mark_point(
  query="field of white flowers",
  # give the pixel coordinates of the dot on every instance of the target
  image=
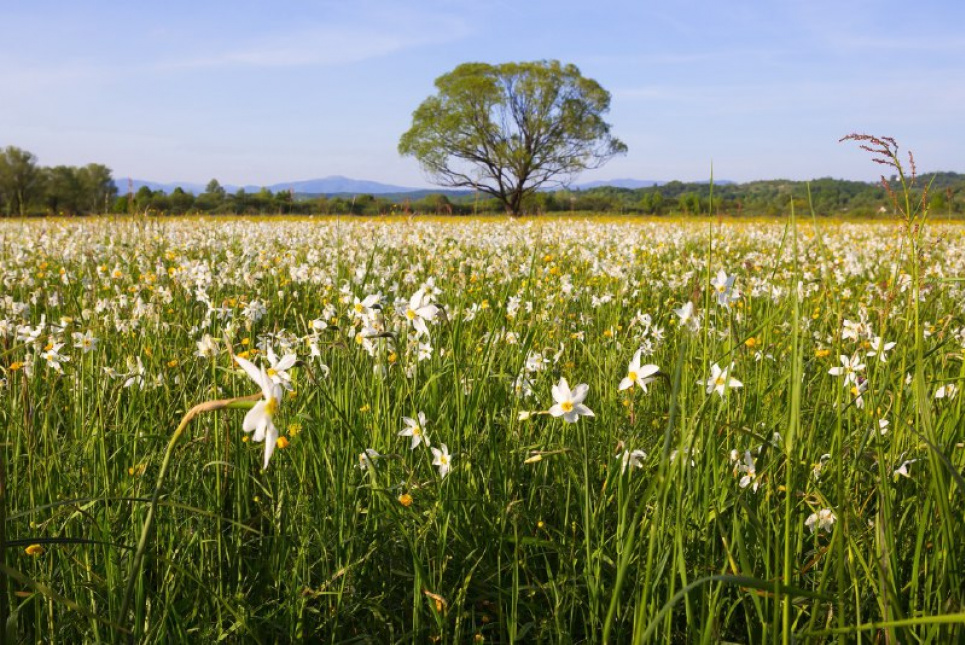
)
(481, 430)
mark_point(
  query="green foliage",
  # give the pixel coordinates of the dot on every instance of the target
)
(538, 533)
(21, 180)
(509, 129)
(26, 187)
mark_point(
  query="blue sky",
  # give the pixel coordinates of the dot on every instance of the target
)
(264, 92)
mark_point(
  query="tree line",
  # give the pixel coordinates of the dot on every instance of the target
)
(29, 189)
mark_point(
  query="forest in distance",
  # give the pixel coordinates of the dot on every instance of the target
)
(28, 189)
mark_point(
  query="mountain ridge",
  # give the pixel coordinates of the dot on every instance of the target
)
(341, 185)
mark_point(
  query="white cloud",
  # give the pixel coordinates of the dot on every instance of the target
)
(328, 45)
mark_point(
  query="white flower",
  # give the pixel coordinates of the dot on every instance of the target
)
(723, 285)
(259, 418)
(254, 311)
(54, 358)
(720, 380)
(416, 430)
(366, 306)
(367, 458)
(823, 520)
(419, 311)
(85, 342)
(569, 404)
(441, 459)
(632, 459)
(818, 468)
(849, 369)
(685, 313)
(749, 468)
(880, 350)
(207, 347)
(278, 372)
(637, 374)
(903, 468)
(946, 391)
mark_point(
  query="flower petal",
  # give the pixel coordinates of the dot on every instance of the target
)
(580, 392)
(271, 438)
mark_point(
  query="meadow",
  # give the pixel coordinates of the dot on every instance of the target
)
(545, 430)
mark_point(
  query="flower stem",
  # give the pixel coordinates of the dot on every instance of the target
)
(138, 560)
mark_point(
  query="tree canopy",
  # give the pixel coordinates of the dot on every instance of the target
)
(507, 130)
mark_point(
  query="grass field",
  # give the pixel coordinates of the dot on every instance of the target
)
(768, 446)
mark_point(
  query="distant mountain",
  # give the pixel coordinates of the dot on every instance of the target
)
(339, 184)
(335, 184)
(620, 183)
(127, 183)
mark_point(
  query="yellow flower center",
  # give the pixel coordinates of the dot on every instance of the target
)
(272, 371)
(410, 314)
(719, 381)
(566, 406)
(271, 406)
(632, 376)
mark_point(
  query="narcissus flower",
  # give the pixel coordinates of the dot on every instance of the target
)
(631, 459)
(638, 374)
(720, 380)
(260, 418)
(441, 459)
(367, 458)
(415, 429)
(849, 368)
(569, 404)
(822, 520)
(278, 372)
(420, 310)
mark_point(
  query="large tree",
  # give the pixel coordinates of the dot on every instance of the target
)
(509, 129)
(21, 180)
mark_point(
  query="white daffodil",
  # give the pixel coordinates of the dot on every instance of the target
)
(818, 468)
(638, 375)
(86, 342)
(54, 358)
(880, 349)
(416, 430)
(822, 520)
(946, 391)
(207, 347)
(569, 404)
(420, 310)
(278, 372)
(849, 368)
(366, 306)
(724, 287)
(367, 458)
(685, 314)
(260, 418)
(631, 459)
(441, 459)
(720, 380)
(903, 468)
(749, 468)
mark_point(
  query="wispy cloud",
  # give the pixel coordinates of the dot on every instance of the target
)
(913, 97)
(326, 45)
